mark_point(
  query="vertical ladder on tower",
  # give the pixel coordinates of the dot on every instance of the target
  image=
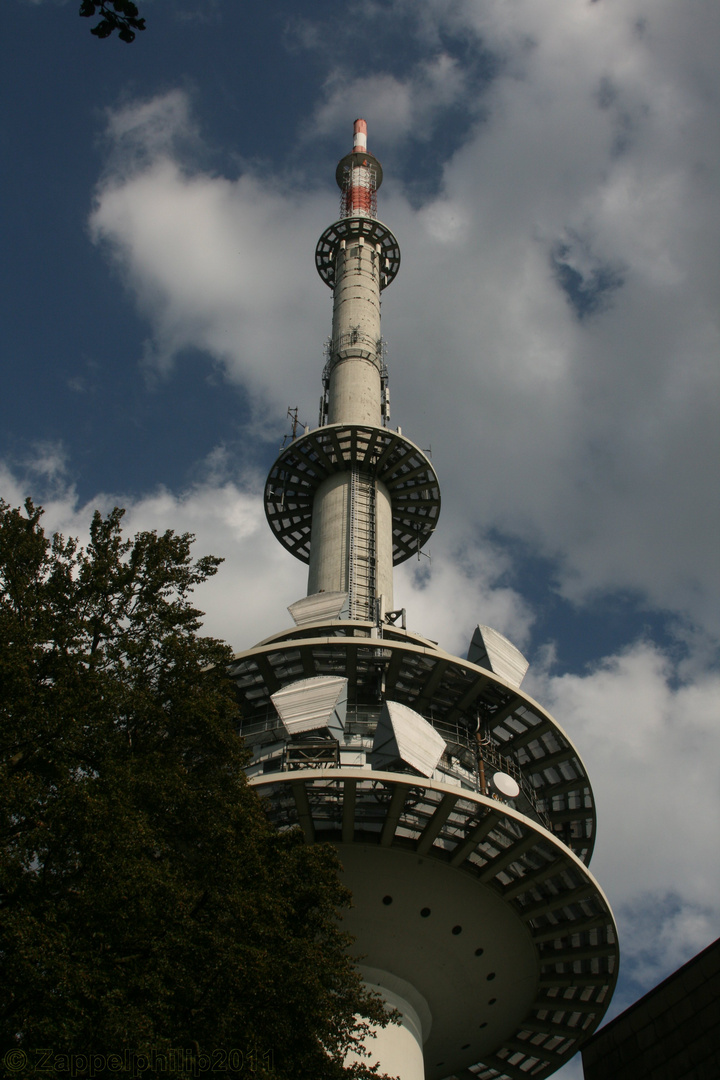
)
(361, 569)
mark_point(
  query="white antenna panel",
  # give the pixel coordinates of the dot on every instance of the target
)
(310, 704)
(491, 650)
(319, 607)
(404, 735)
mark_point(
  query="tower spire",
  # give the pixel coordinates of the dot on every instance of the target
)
(360, 137)
(354, 498)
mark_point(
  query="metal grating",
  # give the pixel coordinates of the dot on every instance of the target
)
(455, 692)
(385, 455)
(347, 229)
(577, 953)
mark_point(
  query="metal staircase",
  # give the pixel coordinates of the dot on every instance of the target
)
(361, 571)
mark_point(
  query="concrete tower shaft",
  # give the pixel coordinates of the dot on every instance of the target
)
(355, 369)
(352, 543)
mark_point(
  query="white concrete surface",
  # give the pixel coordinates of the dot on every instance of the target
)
(354, 393)
(398, 1047)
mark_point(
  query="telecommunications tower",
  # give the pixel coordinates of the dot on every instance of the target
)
(462, 811)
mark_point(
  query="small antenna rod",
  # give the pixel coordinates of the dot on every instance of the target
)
(293, 414)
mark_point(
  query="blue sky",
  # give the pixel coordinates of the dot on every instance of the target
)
(551, 173)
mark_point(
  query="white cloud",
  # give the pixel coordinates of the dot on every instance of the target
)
(595, 438)
(246, 600)
(141, 131)
(395, 108)
(650, 742)
(208, 259)
(453, 586)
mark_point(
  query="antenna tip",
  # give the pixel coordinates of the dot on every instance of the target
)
(360, 136)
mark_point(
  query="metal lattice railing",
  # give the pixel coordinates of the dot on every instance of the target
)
(465, 759)
(359, 190)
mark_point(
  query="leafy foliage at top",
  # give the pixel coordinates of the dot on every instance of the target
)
(120, 15)
(145, 903)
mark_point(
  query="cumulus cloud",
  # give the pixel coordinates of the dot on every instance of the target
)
(647, 728)
(400, 108)
(650, 740)
(246, 600)
(583, 188)
(140, 132)
(211, 260)
(453, 585)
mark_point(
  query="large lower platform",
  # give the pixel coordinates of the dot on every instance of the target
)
(497, 925)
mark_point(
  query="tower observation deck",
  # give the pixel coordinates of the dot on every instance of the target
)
(462, 811)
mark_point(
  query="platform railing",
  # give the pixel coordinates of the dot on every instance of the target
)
(468, 760)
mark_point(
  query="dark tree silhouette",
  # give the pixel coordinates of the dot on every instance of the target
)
(146, 906)
(120, 15)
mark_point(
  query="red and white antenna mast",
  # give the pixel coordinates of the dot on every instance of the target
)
(359, 175)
